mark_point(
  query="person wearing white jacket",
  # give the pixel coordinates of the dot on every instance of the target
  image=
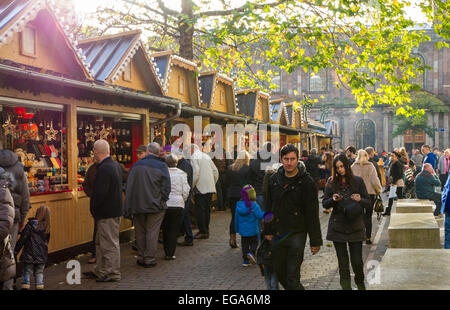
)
(204, 184)
(365, 169)
(174, 214)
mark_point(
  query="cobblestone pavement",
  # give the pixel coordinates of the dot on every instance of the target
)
(212, 265)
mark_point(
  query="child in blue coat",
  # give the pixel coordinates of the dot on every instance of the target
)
(248, 212)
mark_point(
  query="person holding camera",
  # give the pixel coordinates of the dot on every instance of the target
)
(347, 195)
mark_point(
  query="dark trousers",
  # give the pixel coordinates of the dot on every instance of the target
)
(443, 179)
(171, 227)
(287, 256)
(93, 239)
(186, 221)
(356, 260)
(399, 193)
(368, 217)
(221, 192)
(436, 198)
(249, 245)
(232, 202)
(203, 211)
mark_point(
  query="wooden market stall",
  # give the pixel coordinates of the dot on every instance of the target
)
(54, 105)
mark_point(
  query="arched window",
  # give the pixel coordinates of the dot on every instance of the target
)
(420, 76)
(365, 134)
(318, 82)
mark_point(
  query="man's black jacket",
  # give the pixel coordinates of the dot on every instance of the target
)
(295, 206)
(107, 197)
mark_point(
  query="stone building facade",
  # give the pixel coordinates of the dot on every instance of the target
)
(373, 128)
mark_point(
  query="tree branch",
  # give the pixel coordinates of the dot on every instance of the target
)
(239, 9)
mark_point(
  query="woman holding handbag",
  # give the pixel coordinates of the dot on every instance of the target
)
(396, 177)
(365, 169)
(348, 197)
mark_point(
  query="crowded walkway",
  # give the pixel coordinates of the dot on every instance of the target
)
(212, 264)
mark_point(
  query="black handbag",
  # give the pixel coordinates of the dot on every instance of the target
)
(350, 208)
(378, 207)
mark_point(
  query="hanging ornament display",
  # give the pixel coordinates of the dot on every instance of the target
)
(9, 127)
(51, 133)
(90, 136)
(104, 133)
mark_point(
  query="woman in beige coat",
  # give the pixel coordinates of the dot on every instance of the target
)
(365, 169)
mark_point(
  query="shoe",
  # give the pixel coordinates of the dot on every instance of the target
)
(150, 265)
(92, 260)
(106, 279)
(233, 242)
(386, 214)
(134, 248)
(90, 275)
(170, 257)
(201, 236)
(251, 258)
(368, 241)
(246, 263)
(40, 287)
(25, 286)
(184, 243)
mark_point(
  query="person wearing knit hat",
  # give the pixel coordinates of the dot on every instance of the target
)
(248, 212)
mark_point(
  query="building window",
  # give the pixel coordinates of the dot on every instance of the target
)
(28, 41)
(318, 82)
(420, 76)
(180, 85)
(127, 73)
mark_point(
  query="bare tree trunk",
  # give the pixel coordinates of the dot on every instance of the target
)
(186, 29)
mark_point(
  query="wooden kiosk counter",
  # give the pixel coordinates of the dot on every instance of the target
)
(57, 96)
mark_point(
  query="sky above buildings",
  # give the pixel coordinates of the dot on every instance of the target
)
(88, 6)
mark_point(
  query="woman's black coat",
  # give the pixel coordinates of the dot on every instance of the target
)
(340, 229)
(236, 180)
(397, 170)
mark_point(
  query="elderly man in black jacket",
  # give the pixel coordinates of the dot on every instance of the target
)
(148, 189)
(292, 213)
(106, 208)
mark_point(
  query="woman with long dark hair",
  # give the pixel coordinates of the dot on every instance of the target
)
(396, 173)
(347, 195)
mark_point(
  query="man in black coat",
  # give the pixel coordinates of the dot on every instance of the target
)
(106, 208)
(312, 165)
(292, 213)
(186, 166)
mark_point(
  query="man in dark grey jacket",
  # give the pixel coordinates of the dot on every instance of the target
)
(147, 191)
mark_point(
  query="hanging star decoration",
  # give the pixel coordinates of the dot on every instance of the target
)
(9, 127)
(90, 135)
(51, 133)
(104, 133)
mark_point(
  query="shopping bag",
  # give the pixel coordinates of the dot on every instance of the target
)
(393, 191)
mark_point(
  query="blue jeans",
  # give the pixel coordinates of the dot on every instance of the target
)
(260, 202)
(187, 221)
(271, 278)
(447, 231)
(37, 270)
(287, 255)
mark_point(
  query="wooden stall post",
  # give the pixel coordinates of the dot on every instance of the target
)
(72, 148)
